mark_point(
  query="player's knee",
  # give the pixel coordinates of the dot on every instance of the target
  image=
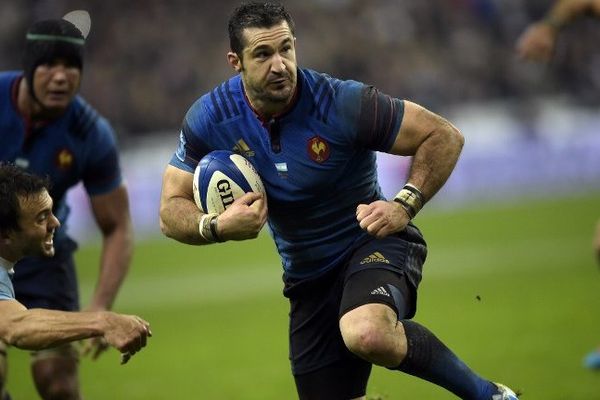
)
(369, 340)
(59, 389)
(56, 377)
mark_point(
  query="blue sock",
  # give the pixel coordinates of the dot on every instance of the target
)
(428, 358)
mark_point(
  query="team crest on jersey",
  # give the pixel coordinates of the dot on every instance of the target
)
(64, 159)
(318, 149)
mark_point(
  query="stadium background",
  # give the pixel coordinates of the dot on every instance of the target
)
(510, 283)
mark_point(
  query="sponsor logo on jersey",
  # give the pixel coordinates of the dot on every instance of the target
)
(241, 147)
(376, 257)
(64, 159)
(318, 149)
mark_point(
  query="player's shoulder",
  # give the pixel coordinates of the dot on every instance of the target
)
(7, 78)
(326, 92)
(9, 75)
(224, 102)
(83, 118)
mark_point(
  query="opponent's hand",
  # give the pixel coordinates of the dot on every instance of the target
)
(244, 218)
(127, 333)
(537, 43)
(382, 218)
(94, 347)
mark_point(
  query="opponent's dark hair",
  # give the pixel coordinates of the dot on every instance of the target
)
(255, 15)
(16, 183)
(49, 40)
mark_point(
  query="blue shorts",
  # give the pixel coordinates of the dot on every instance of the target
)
(390, 265)
(48, 282)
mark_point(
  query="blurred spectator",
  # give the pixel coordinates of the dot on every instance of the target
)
(440, 52)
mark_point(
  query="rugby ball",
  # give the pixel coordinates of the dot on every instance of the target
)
(222, 177)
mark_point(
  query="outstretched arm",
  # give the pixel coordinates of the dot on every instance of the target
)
(39, 328)
(539, 39)
(435, 145)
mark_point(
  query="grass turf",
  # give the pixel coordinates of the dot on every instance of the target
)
(512, 289)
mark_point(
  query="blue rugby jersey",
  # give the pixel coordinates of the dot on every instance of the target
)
(77, 147)
(317, 160)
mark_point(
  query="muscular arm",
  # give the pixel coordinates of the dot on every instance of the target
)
(38, 328)
(111, 212)
(179, 215)
(435, 145)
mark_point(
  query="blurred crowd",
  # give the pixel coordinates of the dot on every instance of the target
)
(148, 60)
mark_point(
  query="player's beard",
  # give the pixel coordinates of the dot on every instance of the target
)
(274, 91)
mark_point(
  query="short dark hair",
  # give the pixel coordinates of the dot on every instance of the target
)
(16, 183)
(255, 15)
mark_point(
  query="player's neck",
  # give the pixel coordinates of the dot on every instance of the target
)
(7, 260)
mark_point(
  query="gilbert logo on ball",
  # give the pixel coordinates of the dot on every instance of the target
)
(222, 177)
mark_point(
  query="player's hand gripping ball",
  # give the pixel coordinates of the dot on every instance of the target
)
(221, 177)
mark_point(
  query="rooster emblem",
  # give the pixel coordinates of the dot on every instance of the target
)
(318, 149)
(64, 159)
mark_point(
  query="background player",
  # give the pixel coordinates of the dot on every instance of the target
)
(537, 43)
(352, 260)
(49, 130)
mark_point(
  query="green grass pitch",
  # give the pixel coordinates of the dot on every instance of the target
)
(513, 289)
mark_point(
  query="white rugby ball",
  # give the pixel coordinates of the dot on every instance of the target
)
(222, 177)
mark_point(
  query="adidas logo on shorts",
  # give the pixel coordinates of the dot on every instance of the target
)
(375, 257)
(381, 291)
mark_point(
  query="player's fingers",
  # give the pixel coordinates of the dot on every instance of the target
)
(250, 197)
(125, 358)
(86, 348)
(362, 211)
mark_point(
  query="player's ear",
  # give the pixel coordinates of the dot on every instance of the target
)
(5, 237)
(234, 60)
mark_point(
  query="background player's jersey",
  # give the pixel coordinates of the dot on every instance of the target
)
(78, 146)
(317, 160)
(6, 288)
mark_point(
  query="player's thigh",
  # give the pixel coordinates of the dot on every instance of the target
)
(3, 364)
(56, 363)
(342, 380)
(385, 271)
(322, 366)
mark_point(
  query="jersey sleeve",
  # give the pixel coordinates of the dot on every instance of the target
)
(192, 147)
(6, 288)
(374, 118)
(102, 170)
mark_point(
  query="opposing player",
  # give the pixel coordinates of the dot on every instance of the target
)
(49, 130)
(27, 227)
(352, 259)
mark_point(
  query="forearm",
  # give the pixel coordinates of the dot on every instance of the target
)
(564, 11)
(38, 328)
(179, 220)
(116, 256)
(435, 159)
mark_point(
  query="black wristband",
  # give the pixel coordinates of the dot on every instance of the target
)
(213, 229)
